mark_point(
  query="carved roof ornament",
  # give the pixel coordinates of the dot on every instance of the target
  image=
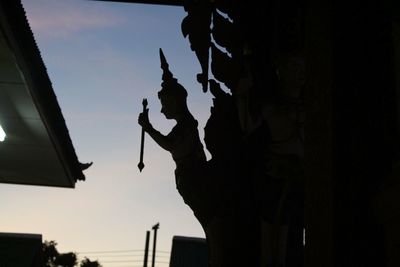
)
(224, 68)
(169, 83)
(196, 26)
(225, 34)
(167, 76)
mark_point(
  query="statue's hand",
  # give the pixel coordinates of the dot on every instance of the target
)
(143, 120)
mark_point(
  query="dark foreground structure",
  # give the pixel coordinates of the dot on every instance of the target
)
(188, 252)
(37, 149)
(306, 135)
(21, 250)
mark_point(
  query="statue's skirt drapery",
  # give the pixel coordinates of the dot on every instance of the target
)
(192, 184)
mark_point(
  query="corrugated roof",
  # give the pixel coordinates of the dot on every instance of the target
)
(19, 37)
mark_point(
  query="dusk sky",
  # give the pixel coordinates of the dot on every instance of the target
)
(102, 59)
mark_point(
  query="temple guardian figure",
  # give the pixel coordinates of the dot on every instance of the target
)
(183, 142)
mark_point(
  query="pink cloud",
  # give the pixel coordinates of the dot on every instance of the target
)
(61, 19)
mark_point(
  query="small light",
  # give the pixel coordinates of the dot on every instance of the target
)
(2, 134)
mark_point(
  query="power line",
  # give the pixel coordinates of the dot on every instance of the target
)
(121, 261)
(131, 265)
(123, 265)
(128, 261)
(111, 256)
(116, 256)
(127, 255)
(122, 255)
(163, 251)
(119, 251)
(128, 266)
(110, 251)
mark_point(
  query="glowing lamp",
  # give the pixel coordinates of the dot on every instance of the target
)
(2, 134)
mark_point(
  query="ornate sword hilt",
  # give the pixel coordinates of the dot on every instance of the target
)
(141, 164)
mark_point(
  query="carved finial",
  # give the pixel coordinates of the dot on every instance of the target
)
(170, 84)
(167, 76)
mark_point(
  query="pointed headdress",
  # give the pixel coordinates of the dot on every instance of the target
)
(169, 85)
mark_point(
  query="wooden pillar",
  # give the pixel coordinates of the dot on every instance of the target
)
(349, 130)
(318, 135)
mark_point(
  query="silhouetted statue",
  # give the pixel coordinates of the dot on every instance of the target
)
(250, 179)
(278, 166)
(183, 142)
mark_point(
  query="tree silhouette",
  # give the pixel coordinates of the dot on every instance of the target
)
(52, 258)
(50, 253)
(66, 260)
(88, 263)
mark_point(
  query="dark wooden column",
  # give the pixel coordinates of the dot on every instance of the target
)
(363, 126)
(318, 136)
(350, 130)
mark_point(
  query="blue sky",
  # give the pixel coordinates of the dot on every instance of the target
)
(102, 59)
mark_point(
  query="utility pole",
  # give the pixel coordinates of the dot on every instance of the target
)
(146, 249)
(155, 228)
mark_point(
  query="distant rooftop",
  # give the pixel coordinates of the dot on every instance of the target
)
(20, 249)
(189, 252)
